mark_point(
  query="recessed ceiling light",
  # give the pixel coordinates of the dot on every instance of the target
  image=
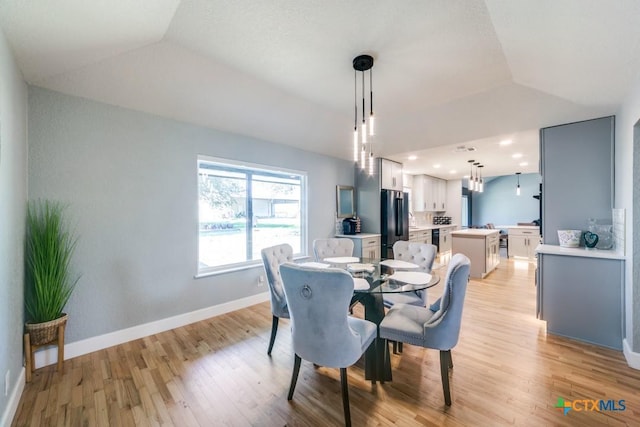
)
(505, 142)
(517, 155)
(524, 164)
(437, 166)
(413, 157)
(452, 171)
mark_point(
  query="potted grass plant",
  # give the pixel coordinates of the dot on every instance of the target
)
(49, 247)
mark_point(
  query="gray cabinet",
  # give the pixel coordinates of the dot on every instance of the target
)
(576, 162)
(581, 298)
(481, 246)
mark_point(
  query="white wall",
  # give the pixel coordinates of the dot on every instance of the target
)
(627, 193)
(130, 181)
(454, 201)
(13, 196)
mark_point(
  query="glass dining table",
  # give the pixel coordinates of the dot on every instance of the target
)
(372, 279)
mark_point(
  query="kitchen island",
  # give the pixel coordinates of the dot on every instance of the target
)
(481, 245)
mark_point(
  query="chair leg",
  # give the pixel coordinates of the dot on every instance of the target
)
(399, 346)
(395, 347)
(294, 376)
(274, 330)
(450, 360)
(445, 360)
(345, 396)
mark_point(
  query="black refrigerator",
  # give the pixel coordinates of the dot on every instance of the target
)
(394, 216)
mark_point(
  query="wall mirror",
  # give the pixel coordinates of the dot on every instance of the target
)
(345, 201)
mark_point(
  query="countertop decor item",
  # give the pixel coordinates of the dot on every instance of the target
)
(569, 238)
(590, 239)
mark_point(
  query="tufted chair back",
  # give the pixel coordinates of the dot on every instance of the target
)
(421, 254)
(437, 327)
(272, 258)
(321, 330)
(334, 247)
(443, 328)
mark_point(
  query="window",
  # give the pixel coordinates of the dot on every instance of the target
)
(244, 208)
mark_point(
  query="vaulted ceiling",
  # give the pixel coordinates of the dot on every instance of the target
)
(446, 73)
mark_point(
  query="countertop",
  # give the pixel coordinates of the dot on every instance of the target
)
(580, 252)
(475, 232)
(430, 227)
(518, 227)
(358, 236)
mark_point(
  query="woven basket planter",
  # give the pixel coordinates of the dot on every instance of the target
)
(46, 332)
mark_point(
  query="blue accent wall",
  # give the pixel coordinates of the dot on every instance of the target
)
(500, 205)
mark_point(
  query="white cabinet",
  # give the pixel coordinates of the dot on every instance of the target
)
(390, 175)
(523, 242)
(365, 245)
(370, 248)
(445, 240)
(429, 194)
(418, 202)
(420, 236)
(492, 251)
(440, 192)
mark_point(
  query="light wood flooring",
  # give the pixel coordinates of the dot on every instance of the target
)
(507, 371)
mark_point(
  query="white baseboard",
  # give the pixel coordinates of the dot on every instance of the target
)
(14, 400)
(633, 359)
(49, 355)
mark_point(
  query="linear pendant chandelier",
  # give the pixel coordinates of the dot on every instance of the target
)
(475, 183)
(361, 147)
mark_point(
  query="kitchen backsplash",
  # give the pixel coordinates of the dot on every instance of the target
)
(428, 218)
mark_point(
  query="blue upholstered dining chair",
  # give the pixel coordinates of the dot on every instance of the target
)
(321, 330)
(272, 257)
(437, 327)
(421, 254)
(333, 247)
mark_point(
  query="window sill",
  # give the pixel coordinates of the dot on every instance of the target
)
(243, 267)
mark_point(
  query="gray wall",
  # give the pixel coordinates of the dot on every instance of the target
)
(500, 205)
(130, 181)
(13, 196)
(627, 196)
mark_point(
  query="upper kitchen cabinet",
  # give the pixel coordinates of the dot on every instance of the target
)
(429, 194)
(390, 175)
(418, 201)
(439, 194)
(576, 162)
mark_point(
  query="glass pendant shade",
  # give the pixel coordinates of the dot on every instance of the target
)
(364, 132)
(355, 144)
(371, 163)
